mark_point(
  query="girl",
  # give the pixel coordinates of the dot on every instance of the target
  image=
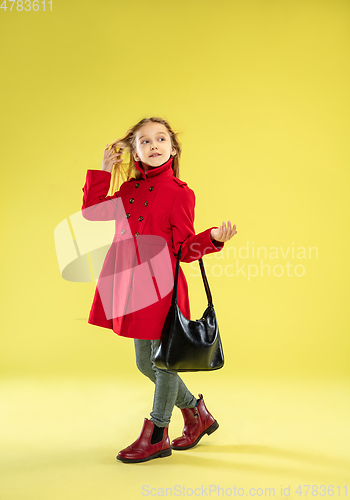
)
(154, 202)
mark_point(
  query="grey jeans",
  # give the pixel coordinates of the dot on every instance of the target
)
(169, 389)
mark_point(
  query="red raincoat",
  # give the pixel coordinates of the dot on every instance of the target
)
(160, 207)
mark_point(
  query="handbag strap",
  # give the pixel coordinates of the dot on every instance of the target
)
(204, 277)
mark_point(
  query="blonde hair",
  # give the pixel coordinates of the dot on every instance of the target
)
(123, 171)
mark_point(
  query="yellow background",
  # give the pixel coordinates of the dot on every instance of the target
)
(259, 93)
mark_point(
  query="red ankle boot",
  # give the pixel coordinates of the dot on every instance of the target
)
(142, 450)
(198, 421)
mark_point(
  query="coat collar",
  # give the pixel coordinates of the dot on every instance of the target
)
(156, 173)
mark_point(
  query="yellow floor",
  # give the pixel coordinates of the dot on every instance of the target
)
(59, 439)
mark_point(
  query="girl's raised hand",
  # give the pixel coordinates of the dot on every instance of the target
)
(223, 233)
(110, 157)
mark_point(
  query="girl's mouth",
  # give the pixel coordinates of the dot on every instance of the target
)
(156, 154)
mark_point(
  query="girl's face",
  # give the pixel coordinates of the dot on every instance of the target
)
(153, 145)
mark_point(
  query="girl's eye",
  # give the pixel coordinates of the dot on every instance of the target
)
(147, 140)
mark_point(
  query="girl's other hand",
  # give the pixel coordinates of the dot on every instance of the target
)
(110, 157)
(223, 233)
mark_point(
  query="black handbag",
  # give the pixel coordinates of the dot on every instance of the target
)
(190, 346)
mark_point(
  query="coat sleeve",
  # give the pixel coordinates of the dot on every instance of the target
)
(96, 203)
(181, 220)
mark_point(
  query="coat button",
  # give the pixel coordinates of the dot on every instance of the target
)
(140, 218)
(146, 203)
(136, 234)
(127, 215)
(122, 231)
(151, 188)
(137, 185)
(131, 200)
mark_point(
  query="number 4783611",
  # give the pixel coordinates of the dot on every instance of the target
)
(25, 5)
